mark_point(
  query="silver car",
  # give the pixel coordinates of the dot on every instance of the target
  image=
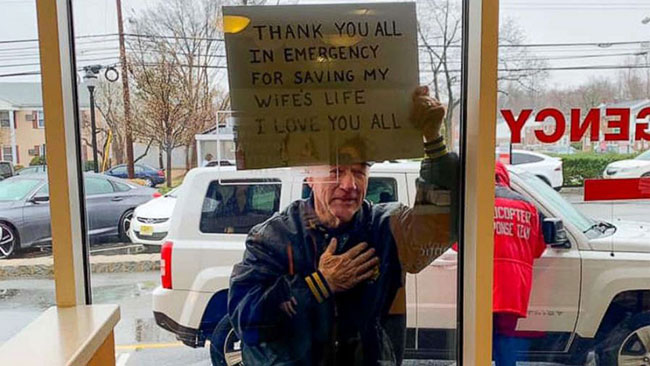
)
(25, 209)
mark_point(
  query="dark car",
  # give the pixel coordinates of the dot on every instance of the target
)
(150, 175)
(25, 209)
(6, 169)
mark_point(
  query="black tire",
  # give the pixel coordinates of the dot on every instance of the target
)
(224, 345)
(124, 224)
(628, 341)
(9, 243)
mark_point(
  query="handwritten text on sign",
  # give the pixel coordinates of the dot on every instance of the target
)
(321, 84)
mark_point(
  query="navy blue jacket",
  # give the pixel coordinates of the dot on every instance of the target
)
(281, 261)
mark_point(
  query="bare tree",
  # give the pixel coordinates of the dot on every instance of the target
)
(111, 108)
(439, 34)
(171, 67)
(439, 38)
(634, 83)
(102, 133)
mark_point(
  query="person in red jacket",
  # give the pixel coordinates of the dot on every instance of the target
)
(518, 241)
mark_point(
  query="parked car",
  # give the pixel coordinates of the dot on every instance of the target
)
(629, 168)
(6, 169)
(547, 168)
(556, 149)
(25, 209)
(221, 163)
(151, 176)
(150, 222)
(590, 290)
(32, 169)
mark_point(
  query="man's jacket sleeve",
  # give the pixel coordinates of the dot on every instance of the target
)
(424, 232)
(262, 282)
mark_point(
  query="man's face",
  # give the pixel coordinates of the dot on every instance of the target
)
(338, 192)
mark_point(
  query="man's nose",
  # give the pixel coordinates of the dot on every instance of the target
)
(346, 181)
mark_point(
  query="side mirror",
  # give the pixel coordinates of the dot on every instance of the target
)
(554, 233)
(40, 199)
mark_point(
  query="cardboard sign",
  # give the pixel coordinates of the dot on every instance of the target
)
(322, 84)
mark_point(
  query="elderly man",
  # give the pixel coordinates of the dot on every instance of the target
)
(318, 279)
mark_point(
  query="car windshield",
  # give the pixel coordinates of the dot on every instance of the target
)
(16, 189)
(644, 156)
(557, 202)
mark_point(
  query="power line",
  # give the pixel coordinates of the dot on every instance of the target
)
(77, 37)
(39, 64)
(157, 36)
(569, 68)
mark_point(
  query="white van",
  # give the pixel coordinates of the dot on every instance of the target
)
(591, 291)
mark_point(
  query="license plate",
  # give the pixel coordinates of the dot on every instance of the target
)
(146, 230)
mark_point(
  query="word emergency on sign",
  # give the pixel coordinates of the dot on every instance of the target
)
(311, 83)
(615, 123)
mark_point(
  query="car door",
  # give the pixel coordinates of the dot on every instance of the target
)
(36, 216)
(434, 299)
(139, 172)
(554, 301)
(553, 305)
(103, 216)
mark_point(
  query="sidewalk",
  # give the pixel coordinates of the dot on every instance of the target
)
(42, 267)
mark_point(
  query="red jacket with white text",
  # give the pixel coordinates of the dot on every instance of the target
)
(518, 241)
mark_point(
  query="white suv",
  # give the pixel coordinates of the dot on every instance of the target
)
(590, 291)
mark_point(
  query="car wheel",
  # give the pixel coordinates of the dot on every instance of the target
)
(628, 343)
(125, 224)
(149, 182)
(225, 346)
(8, 241)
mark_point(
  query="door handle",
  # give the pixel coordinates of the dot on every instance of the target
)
(116, 199)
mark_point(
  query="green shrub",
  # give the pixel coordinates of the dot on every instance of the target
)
(581, 166)
(37, 160)
(89, 166)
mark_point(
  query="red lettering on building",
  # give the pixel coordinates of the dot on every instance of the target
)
(516, 124)
(560, 125)
(616, 124)
(622, 123)
(641, 127)
(591, 123)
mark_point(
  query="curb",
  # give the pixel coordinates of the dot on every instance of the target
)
(44, 267)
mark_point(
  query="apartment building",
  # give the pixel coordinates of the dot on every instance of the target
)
(22, 122)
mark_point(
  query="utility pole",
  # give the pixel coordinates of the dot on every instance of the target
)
(125, 93)
(93, 128)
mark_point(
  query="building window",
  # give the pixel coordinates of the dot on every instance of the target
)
(35, 151)
(4, 119)
(7, 154)
(41, 119)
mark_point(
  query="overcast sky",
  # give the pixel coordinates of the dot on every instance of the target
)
(550, 21)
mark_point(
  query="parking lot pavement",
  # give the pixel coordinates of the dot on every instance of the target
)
(138, 340)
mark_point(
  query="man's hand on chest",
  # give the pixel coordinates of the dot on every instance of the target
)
(343, 272)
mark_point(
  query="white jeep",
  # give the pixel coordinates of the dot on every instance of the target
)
(591, 291)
